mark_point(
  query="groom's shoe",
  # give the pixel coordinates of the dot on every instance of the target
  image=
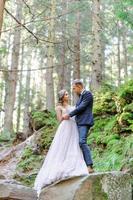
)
(90, 169)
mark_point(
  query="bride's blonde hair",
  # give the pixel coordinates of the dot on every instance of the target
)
(61, 94)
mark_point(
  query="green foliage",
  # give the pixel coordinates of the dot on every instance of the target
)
(104, 104)
(125, 93)
(27, 180)
(118, 153)
(111, 137)
(102, 129)
(3, 50)
(128, 108)
(123, 10)
(46, 138)
(43, 118)
(29, 161)
(126, 118)
(48, 121)
(5, 136)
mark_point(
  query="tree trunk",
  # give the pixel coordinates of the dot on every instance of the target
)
(20, 90)
(96, 78)
(103, 38)
(76, 55)
(12, 76)
(118, 54)
(76, 63)
(124, 44)
(61, 69)
(50, 103)
(2, 5)
(41, 93)
(26, 115)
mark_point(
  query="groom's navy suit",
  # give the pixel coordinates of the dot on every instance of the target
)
(84, 119)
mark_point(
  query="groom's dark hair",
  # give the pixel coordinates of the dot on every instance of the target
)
(78, 82)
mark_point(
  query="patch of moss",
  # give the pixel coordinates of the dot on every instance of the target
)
(46, 137)
(117, 152)
(100, 133)
(104, 104)
(43, 118)
(111, 138)
(125, 93)
(97, 190)
(29, 161)
(27, 180)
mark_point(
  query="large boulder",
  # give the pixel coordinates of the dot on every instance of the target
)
(98, 186)
(11, 190)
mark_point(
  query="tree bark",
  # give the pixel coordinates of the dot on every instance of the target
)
(76, 63)
(76, 54)
(2, 5)
(118, 54)
(124, 44)
(103, 38)
(20, 90)
(61, 70)
(12, 76)
(26, 115)
(50, 102)
(96, 77)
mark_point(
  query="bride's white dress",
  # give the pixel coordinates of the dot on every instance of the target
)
(64, 158)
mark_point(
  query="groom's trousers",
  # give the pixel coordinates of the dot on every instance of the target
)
(83, 132)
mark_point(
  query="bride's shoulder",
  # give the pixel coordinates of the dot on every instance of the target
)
(58, 108)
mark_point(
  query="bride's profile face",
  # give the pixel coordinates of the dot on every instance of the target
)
(66, 96)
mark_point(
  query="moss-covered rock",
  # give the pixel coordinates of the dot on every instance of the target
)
(29, 161)
(43, 118)
(104, 104)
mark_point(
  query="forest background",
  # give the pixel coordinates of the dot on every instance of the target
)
(44, 46)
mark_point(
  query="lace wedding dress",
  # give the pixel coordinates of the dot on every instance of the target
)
(64, 159)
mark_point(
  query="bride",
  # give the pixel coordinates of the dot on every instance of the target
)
(64, 159)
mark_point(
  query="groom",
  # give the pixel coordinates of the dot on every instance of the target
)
(84, 119)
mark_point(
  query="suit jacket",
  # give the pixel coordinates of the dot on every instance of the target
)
(83, 111)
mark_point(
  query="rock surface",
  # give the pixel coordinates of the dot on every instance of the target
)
(98, 186)
(11, 190)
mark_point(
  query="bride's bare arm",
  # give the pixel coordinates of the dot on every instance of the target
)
(59, 113)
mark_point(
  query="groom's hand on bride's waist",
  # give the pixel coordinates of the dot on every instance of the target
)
(65, 117)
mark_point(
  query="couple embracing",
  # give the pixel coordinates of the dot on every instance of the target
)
(69, 155)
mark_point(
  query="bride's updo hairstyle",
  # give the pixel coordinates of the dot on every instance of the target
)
(61, 94)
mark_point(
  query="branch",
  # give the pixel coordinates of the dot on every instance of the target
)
(36, 37)
(28, 8)
(70, 48)
(32, 21)
(45, 19)
(22, 24)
